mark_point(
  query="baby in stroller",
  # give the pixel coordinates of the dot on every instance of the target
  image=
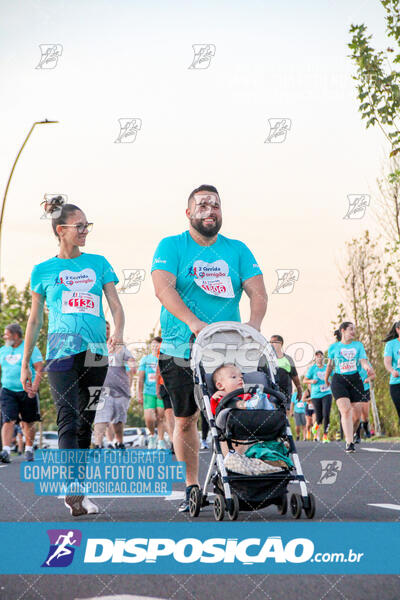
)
(229, 378)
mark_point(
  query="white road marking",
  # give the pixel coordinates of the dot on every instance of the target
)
(390, 506)
(380, 450)
(121, 597)
(120, 496)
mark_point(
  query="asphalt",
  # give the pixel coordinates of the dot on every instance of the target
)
(366, 488)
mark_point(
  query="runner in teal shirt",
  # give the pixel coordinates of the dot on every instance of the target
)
(72, 285)
(199, 277)
(321, 396)
(209, 280)
(346, 356)
(392, 363)
(73, 291)
(392, 350)
(10, 363)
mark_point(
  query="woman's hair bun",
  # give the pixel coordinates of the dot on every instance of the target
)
(53, 204)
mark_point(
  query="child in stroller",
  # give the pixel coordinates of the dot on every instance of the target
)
(228, 378)
(222, 394)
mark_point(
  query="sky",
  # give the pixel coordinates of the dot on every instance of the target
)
(130, 60)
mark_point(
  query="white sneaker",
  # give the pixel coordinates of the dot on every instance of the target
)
(152, 442)
(90, 507)
(161, 445)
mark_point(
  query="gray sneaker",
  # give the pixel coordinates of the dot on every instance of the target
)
(5, 457)
(29, 455)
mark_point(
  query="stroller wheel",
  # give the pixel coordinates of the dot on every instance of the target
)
(195, 501)
(219, 507)
(296, 505)
(310, 511)
(234, 512)
(282, 507)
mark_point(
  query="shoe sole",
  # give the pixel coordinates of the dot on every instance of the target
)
(74, 503)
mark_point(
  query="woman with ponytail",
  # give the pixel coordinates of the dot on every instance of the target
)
(345, 357)
(72, 284)
(391, 361)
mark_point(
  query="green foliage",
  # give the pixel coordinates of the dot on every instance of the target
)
(15, 308)
(378, 81)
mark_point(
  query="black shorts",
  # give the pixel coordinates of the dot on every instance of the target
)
(178, 380)
(15, 405)
(165, 397)
(309, 412)
(348, 386)
(367, 396)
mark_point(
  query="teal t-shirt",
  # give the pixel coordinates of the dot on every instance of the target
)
(318, 390)
(392, 349)
(364, 375)
(299, 405)
(346, 357)
(73, 288)
(209, 279)
(148, 364)
(10, 363)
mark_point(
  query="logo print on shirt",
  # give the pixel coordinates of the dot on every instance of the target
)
(348, 353)
(12, 359)
(77, 281)
(213, 278)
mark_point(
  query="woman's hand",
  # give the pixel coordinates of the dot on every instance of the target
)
(370, 372)
(114, 342)
(26, 380)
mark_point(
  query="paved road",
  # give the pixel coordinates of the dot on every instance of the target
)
(365, 480)
(366, 489)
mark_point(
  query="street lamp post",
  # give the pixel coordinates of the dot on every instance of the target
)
(11, 174)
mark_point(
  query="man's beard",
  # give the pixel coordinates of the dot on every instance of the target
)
(206, 230)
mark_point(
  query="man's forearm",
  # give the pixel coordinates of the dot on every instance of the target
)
(258, 308)
(174, 304)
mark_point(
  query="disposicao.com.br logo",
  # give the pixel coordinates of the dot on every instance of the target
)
(247, 551)
(62, 547)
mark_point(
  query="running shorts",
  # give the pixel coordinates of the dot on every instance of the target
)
(18, 404)
(348, 386)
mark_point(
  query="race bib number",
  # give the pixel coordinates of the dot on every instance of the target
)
(323, 387)
(300, 404)
(81, 302)
(213, 278)
(348, 366)
(151, 377)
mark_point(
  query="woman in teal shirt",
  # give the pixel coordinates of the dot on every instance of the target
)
(391, 361)
(72, 284)
(345, 356)
(321, 396)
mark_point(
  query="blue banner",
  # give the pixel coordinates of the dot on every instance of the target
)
(91, 472)
(153, 548)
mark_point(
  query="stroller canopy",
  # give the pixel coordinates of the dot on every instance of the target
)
(232, 342)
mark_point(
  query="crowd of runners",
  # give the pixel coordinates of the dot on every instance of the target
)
(199, 277)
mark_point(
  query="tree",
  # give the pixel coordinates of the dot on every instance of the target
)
(15, 309)
(378, 82)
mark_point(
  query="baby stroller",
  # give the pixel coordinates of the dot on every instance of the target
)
(233, 342)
